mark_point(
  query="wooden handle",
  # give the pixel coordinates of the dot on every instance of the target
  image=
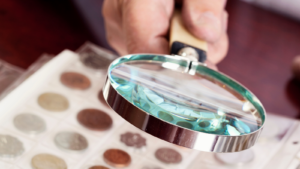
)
(180, 37)
(179, 33)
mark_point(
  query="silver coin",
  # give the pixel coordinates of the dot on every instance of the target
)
(71, 141)
(48, 161)
(237, 158)
(10, 147)
(29, 123)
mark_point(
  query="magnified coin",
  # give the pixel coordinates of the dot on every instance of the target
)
(71, 141)
(10, 146)
(117, 158)
(48, 161)
(94, 119)
(98, 167)
(75, 80)
(53, 102)
(168, 156)
(29, 123)
(237, 158)
(101, 98)
(94, 61)
(133, 140)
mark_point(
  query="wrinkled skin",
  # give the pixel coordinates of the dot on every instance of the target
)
(141, 26)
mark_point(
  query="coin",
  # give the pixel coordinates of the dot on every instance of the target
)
(10, 146)
(117, 158)
(133, 140)
(29, 123)
(70, 141)
(237, 158)
(94, 60)
(151, 168)
(75, 80)
(53, 102)
(168, 155)
(98, 167)
(101, 98)
(94, 119)
(48, 161)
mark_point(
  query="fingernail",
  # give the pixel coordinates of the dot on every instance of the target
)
(210, 26)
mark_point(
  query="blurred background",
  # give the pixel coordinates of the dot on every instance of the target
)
(264, 39)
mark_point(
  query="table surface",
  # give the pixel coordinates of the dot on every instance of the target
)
(262, 44)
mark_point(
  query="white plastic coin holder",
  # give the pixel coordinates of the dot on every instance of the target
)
(49, 141)
(274, 133)
(126, 127)
(149, 164)
(6, 165)
(83, 104)
(97, 156)
(89, 47)
(94, 72)
(97, 82)
(186, 154)
(27, 146)
(91, 164)
(25, 162)
(264, 150)
(33, 102)
(8, 122)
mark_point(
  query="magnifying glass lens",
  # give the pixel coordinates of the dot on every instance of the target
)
(188, 98)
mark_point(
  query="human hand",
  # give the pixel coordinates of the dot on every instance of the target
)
(141, 26)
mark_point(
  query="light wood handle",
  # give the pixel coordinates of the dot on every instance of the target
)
(180, 38)
(179, 33)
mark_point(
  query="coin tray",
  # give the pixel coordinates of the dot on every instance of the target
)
(93, 142)
(96, 83)
(27, 145)
(73, 102)
(72, 119)
(24, 100)
(8, 124)
(150, 140)
(25, 162)
(97, 157)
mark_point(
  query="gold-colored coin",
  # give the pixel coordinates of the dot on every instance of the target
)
(53, 102)
(48, 161)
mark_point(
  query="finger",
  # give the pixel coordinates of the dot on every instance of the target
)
(146, 25)
(218, 50)
(113, 27)
(211, 65)
(204, 18)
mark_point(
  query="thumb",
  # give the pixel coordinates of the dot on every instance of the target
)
(204, 18)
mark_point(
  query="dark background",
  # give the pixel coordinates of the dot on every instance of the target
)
(262, 43)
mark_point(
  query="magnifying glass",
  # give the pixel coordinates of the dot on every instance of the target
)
(178, 99)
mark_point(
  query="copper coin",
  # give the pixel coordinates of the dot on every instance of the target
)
(133, 140)
(117, 158)
(75, 80)
(94, 119)
(101, 98)
(53, 102)
(98, 167)
(168, 156)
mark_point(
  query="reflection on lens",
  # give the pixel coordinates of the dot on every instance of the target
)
(165, 116)
(185, 124)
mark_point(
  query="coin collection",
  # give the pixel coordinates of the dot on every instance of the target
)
(64, 122)
(58, 119)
